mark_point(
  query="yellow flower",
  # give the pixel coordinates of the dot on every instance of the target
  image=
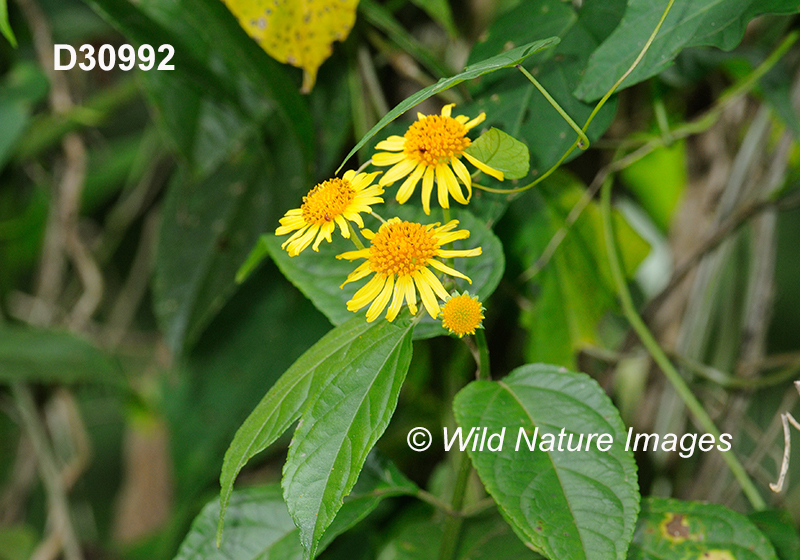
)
(329, 203)
(462, 314)
(429, 149)
(399, 255)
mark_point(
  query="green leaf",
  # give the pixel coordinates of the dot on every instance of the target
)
(575, 289)
(500, 151)
(5, 27)
(690, 23)
(228, 371)
(45, 356)
(22, 88)
(486, 537)
(258, 254)
(577, 505)
(17, 542)
(658, 181)
(513, 103)
(345, 414)
(259, 525)
(779, 528)
(284, 402)
(675, 529)
(502, 60)
(319, 275)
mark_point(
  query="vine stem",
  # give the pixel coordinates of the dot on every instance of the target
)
(583, 142)
(594, 112)
(702, 418)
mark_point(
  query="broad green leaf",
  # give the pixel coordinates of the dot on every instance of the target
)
(670, 529)
(574, 290)
(5, 27)
(345, 414)
(690, 23)
(487, 537)
(502, 60)
(228, 371)
(259, 525)
(320, 275)
(779, 528)
(284, 402)
(658, 181)
(580, 505)
(516, 106)
(47, 356)
(502, 152)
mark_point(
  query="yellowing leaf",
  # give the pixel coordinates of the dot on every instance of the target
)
(298, 32)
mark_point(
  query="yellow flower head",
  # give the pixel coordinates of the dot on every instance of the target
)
(462, 314)
(399, 255)
(429, 149)
(329, 203)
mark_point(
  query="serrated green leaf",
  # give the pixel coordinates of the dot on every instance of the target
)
(580, 505)
(502, 152)
(319, 274)
(675, 529)
(502, 60)
(46, 356)
(487, 537)
(5, 27)
(690, 23)
(778, 527)
(284, 402)
(259, 525)
(344, 416)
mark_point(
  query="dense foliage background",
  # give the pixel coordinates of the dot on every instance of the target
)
(129, 354)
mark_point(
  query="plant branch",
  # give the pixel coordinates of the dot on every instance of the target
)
(702, 418)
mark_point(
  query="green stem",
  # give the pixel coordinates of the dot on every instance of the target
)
(484, 371)
(594, 112)
(583, 141)
(354, 237)
(446, 215)
(702, 418)
(452, 527)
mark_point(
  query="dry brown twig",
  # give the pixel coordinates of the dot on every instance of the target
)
(786, 419)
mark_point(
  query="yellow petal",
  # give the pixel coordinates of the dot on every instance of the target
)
(366, 293)
(380, 302)
(392, 144)
(363, 270)
(382, 159)
(407, 188)
(447, 270)
(343, 227)
(296, 247)
(397, 301)
(441, 188)
(324, 232)
(434, 283)
(353, 255)
(407, 284)
(452, 185)
(463, 174)
(447, 109)
(452, 254)
(427, 188)
(476, 121)
(426, 294)
(483, 167)
(398, 172)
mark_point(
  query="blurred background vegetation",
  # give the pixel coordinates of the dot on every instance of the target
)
(128, 200)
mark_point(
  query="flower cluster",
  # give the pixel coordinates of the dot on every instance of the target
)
(402, 256)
